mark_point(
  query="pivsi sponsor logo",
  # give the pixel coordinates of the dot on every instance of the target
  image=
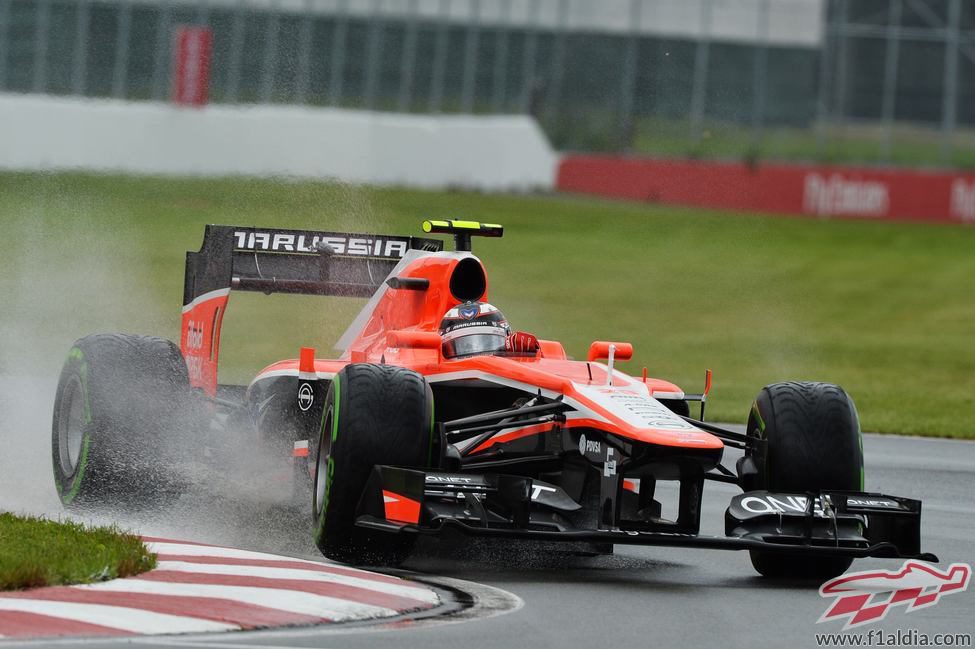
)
(587, 446)
(835, 194)
(342, 245)
(867, 596)
(963, 200)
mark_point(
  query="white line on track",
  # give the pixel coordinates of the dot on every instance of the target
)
(421, 594)
(488, 601)
(117, 617)
(950, 509)
(284, 600)
(191, 550)
(221, 645)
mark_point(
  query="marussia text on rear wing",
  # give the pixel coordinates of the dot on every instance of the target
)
(271, 260)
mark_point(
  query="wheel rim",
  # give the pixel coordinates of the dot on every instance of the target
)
(71, 427)
(321, 466)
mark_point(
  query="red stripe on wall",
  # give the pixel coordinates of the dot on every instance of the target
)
(813, 190)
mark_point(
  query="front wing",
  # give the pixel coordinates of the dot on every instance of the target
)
(407, 501)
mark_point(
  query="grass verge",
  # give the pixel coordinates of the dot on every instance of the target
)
(37, 552)
(885, 309)
(852, 144)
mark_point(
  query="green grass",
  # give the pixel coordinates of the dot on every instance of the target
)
(854, 144)
(36, 552)
(884, 309)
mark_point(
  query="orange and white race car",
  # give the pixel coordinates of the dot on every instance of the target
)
(435, 416)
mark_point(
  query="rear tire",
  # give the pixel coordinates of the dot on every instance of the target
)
(120, 400)
(813, 443)
(374, 414)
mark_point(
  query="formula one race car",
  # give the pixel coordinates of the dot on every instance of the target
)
(430, 421)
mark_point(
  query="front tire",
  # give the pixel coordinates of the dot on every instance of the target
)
(374, 414)
(812, 442)
(119, 400)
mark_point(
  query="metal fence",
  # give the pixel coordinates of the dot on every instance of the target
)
(854, 80)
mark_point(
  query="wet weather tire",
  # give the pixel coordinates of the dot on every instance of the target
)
(812, 443)
(121, 400)
(374, 414)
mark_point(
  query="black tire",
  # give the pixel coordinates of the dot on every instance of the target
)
(374, 414)
(812, 442)
(121, 400)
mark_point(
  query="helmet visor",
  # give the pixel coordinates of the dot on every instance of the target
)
(474, 343)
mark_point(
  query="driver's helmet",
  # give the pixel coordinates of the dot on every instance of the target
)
(473, 328)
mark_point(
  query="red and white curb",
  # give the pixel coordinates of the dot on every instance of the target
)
(198, 588)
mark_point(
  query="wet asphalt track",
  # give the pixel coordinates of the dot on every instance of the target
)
(643, 597)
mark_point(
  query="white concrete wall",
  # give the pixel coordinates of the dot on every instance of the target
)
(797, 23)
(493, 152)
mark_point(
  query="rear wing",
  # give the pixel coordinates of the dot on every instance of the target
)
(276, 261)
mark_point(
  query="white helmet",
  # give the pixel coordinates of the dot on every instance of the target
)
(473, 328)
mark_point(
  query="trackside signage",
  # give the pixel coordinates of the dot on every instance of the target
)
(817, 191)
(963, 200)
(191, 65)
(836, 194)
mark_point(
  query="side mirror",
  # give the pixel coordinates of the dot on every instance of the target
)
(599, 351)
